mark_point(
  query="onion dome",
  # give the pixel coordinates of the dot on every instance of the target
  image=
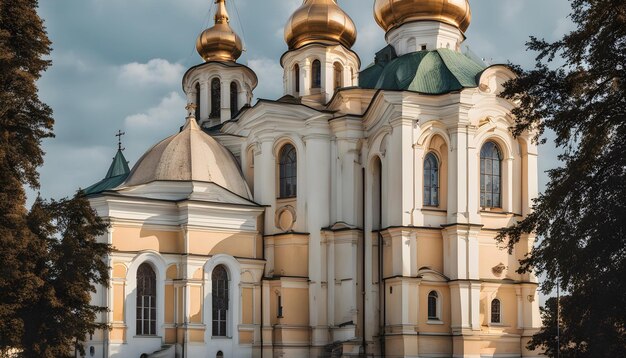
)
(190, 155)
(220, 42)
(390, 14)
(319, 21)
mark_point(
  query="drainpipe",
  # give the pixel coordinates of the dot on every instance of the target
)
(382, 288)
(363, 260)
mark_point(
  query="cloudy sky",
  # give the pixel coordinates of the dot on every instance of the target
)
(118, 64)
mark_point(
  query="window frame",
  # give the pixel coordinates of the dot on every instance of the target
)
(216, 98)
(316, 74)
(140, 301)
(285, 180)
(488, 176)
(492, 315)
(296, 74)
(436, 319)
(198, 89)
(234, 98)
(222, 318)
(428, 201)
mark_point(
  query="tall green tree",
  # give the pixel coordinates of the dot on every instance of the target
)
(24, 122)
(578, 90)
(49, 257)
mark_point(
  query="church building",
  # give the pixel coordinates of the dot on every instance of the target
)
(355, 216)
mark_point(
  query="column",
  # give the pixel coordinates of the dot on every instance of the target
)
(316, 196)
(265, 180)
(225, 106)
(305, 78)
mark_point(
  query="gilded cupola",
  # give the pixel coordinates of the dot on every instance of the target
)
(319, 21)
(220, 42)
(391, 14)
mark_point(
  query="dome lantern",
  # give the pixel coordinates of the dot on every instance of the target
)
(220, 42)
(319, 21)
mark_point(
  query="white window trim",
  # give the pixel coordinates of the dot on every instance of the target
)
(438, 320)
(490, 321)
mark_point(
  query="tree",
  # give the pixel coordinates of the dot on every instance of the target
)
(24, 122)
(73, 262)
(49, 257)
(578, 90)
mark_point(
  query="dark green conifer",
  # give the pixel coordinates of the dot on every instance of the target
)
(578, 91)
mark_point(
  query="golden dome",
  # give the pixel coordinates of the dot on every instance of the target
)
(393, 13)
(319, 21)
(220, 42)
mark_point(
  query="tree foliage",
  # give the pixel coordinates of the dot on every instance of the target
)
(578, 90)
(73, 261)
(49, 257)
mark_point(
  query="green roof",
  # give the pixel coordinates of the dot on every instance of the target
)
(431, 72)
(117, 173)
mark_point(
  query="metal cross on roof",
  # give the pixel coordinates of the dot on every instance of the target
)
(119, 139)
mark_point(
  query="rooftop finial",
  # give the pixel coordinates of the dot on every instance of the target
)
(119, 140)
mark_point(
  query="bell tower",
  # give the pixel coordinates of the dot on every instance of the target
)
(220, 87)
(319, 61)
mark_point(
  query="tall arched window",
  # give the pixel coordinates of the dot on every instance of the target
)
(219, 281)
(316, 74)
(296, 77)
(288, 171)
(433, 302)
(234, 96)
(146, 300)
(216, 98)
(338, 75)
(431, 180)
(490, 176)
(496, 316)
(197, 101)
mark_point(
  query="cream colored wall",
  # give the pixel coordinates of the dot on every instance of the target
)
(291, 255)
(213, 243)
(429, 249)
(140, 238)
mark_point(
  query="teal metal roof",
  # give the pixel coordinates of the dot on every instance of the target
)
(430, 72)
(117, 173)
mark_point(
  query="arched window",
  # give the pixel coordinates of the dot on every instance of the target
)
(146, 300)
(219, 354)
(288, 168)
(338, 75)
(433, 302)
(219, 281)
(296, 77)
(496, 316)
(490, 176)
(234, 102)
(431, 180)
(316, 74)
(197, 101)
(216, 98)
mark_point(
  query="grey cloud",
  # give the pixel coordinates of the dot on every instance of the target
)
(92, 39)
